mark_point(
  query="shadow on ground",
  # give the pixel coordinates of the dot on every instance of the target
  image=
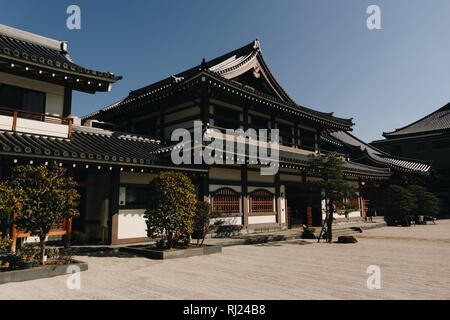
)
(279, 244)
(106, 253)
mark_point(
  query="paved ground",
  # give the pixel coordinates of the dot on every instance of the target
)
(414, 262)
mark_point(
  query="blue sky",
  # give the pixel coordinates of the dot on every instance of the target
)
(320, 50)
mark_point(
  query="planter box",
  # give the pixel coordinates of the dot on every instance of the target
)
(151, 253)
(39, 272)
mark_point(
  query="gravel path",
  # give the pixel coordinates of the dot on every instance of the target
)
(414, 262)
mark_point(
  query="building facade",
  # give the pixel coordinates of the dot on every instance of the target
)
(238, 91)
(116, 151)
(427, 139)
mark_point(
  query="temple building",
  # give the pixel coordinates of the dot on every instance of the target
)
(237, 90)
(116, 151)
(427, 139)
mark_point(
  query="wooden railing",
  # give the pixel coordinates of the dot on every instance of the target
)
(23, 114)
(61, 228)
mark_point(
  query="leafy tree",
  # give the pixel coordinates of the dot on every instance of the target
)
(171, 210)
(202, 221)
(426, 202)
(8, 200)
(398, 201)
(44, 197)
(330, 169)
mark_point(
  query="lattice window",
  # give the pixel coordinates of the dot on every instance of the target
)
(226, 201)
(261, 201)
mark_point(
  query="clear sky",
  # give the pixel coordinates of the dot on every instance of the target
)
(320, 51)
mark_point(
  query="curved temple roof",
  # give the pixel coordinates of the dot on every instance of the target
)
(41, 54)
(436, 121)
(224, 68)
(378, 156)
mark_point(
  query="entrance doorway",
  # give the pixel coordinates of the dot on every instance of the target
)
(303, 206)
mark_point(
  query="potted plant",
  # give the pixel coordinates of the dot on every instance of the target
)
(308, 233)
(26, 261)
(27, 256)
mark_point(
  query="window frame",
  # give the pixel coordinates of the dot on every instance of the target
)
(22, 94)
(237, 207)
(265, 209)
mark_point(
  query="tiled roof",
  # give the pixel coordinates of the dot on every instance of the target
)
(436, 121)
(220, 69)
(33, 50)
(381, 157)
(350, 167)
(85, 144)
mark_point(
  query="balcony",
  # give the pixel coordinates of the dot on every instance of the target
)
(35, 123)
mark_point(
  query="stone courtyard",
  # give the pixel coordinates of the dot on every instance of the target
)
(414, 264)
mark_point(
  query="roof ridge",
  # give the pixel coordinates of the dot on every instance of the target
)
(445, 107)
(124, 135)
(33, 38)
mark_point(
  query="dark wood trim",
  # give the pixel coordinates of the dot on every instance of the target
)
(67, 107)
(114, 206)
(255, 214)
(277, 197)
(245, 202)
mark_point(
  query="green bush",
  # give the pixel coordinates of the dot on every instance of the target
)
(5, 243)
(426, 202)
(398, 201)
(171, 210)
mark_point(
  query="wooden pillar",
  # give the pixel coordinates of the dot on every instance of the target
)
(278, 197)
(204, 188)
(67, 104)
(114, 206)
(245, 202)
(14, 238)
(68, 228)
(161, 123)
(309, 216)
(204, 105)
(296, 136)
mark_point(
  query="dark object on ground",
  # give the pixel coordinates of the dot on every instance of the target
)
(308, 234)
(357, 229)
(80, 238)
(404, 221)
(347, 239)
(429, 218)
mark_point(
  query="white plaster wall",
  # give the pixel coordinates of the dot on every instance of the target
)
(6, 123)
(228, 221)
(38, 127)
(262, 219)
(132, 224)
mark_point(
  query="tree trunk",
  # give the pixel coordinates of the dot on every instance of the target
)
(330, 222)
(169, 240)
(42, 243)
